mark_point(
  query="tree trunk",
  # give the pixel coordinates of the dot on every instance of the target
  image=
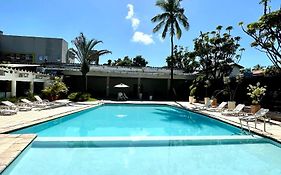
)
(172, 68)
(84, 82)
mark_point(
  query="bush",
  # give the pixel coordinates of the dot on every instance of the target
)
(79, 96)
(56, 89)
(72, 96)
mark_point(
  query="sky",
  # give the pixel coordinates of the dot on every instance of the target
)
(125, 26)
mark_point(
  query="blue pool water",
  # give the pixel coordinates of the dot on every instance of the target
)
(222, 159)
(132, 120)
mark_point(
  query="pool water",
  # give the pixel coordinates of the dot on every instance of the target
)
(132, 120)
(217, 159)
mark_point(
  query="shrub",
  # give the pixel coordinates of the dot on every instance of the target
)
(72, 96)
(56, 89)
(79, 96)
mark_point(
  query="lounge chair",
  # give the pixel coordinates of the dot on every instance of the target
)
(236, 111)
(125, 96)
(121, 96)
(37, 105)
(40, 100)
(219, 108)
(261, 114)
(19, 107)
(8, 110)
(201, 107)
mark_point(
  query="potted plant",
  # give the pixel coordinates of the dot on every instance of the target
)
(191, 98)
(207, 85)
(256, 93)
(234, 81)
(56, 89)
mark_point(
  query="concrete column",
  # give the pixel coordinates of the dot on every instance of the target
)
(139, 85)
(31, 89)
(14, 88)
(168, 85)
(107, 86)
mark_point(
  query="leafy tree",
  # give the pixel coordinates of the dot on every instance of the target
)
(139, 61)
(171, 18)
(125, 62)
(266, 33)
(183, 60)
(109, 63)
(272, 70)
(258, 67)
(217, 51)
(85, 53)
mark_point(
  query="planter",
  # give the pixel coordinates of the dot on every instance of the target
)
(231, 105)
(207, 100)
(255, 108)
(214, 102)
(191, 99)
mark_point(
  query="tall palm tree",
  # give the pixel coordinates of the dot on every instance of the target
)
(85, 53)
(170, 19)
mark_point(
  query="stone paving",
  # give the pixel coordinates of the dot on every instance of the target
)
(273, 129)
(11, 145)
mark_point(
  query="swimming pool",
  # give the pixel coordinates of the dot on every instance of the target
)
(132, 120)
(144, 139)
(243, 158)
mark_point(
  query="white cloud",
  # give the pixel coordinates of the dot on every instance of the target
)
(131, 16)
(135, 23)
(130, 11)
(143, 38)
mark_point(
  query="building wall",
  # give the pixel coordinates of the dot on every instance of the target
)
(39, 48)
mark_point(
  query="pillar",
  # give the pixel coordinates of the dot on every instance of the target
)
(14, 88)
(139, 85)
(168, 85)
(31, 89)
(107, 86)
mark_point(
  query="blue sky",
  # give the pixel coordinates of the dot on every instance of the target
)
(124, 26)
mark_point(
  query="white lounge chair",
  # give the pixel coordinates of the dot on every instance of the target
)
(19, 107)
(201, 107)
(236, 111)
(121, 96)
(37, 105)
(8, 110)
(218, 108)
(261, 114)
(40, 100)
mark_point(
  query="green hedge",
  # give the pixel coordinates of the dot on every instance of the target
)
(79, 96)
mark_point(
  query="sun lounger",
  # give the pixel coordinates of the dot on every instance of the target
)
(201, 107)
(261, 114)
(40, 100)
(8, 110)
(20, 107)
(238, 109)
(37, 105)
(121, 96)
(219, 108)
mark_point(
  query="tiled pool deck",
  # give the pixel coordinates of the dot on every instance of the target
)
(11, 145)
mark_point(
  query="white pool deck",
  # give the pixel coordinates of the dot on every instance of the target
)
(11, 145)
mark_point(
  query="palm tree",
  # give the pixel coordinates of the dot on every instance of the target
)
(170, 19)
(85, 53)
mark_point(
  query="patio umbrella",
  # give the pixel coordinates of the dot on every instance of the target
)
(121, 85)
